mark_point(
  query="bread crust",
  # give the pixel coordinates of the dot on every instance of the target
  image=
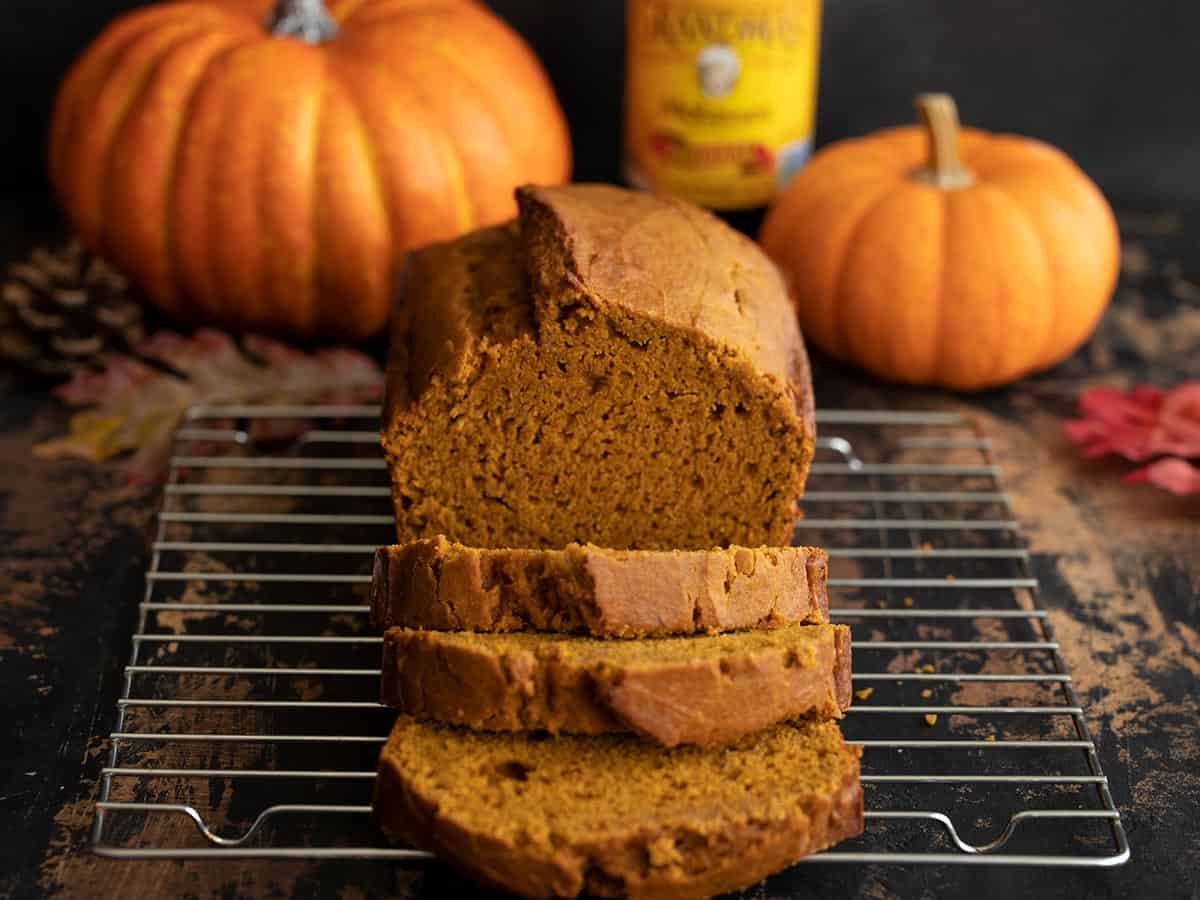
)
(438, 584)
(714, 694)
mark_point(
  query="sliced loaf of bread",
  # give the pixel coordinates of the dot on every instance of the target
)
(613, 368)
(703, 690)
(614, 816)
(436, 583)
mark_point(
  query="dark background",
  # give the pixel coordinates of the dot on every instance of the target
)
(1115, 83)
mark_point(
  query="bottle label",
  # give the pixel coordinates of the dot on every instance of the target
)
(720, 97)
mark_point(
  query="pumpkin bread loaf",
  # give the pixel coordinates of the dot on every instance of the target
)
(436, 583)
(612, 368)
(615, 816)
(678, 690)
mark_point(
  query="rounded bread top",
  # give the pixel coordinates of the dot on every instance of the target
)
(670, 260)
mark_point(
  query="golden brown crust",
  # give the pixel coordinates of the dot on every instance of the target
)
(439, 584)
(690, 690)
(842, 671)
(663, 259)
(711, 838)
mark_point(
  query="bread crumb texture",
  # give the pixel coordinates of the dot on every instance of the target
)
(613, 369)
(609, 815)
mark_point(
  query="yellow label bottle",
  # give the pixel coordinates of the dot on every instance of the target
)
(720, 97)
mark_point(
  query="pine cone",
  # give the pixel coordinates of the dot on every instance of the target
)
(60, 310)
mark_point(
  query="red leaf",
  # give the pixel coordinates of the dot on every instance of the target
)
(1137, 407)
(1180, 421)
(1175, 475)
(1139, 425)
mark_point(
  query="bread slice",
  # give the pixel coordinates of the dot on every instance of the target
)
(614, 816)
(614, 368)
(682, 690)
(439, 584)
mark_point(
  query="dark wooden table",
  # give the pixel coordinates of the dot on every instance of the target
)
(1119, 565)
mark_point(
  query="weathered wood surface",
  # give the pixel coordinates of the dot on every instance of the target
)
(1119, 564)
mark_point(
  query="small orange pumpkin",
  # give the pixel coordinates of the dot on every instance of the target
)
(927, 267)
(268, 172)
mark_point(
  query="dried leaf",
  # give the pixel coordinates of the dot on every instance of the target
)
(135, 407)
(1139, 425)
(1146, 423)
(1180, 420)
(1174, 474)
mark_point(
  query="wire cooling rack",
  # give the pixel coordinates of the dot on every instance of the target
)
(248, 724)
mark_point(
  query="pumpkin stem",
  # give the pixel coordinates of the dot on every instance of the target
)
(942, 168)
(308, 20)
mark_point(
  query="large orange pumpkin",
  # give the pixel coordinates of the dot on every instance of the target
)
(927, 267)
(268, 171)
